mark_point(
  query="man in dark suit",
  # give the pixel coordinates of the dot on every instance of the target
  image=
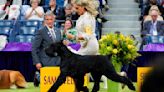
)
(43, 38)
(152, 28)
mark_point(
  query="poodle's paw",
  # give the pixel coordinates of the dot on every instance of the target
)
(85, 89)
(132, 87)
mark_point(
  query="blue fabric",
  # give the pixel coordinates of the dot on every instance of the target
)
(159, 2)
(100, 1)
(37, 76)
(46, 2)
(60, 3)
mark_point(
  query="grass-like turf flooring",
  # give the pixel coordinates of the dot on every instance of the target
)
(31, 88)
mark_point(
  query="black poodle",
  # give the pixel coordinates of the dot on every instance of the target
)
(76, 66)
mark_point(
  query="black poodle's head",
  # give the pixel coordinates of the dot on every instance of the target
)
(54, 49)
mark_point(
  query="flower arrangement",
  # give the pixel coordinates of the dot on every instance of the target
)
(121, 48)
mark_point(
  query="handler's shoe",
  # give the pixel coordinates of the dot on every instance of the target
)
(104, 79)
(106, 7)
(36, 79)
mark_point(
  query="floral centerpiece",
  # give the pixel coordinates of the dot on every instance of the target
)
(121, 48)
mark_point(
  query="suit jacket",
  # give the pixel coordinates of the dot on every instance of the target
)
(42, 40)
(147, 26)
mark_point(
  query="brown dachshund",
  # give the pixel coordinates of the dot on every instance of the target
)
(12, 79)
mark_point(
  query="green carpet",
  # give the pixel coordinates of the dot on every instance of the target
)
(31, 88)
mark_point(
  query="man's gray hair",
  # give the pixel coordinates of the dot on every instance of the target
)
(68, 6)
(49, 13)
(33, 0)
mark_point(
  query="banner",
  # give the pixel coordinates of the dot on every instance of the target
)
(49, 76)
(141, 72)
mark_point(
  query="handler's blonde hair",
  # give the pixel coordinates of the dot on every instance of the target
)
(90, 5)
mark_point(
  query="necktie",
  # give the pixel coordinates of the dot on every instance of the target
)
(53, 35)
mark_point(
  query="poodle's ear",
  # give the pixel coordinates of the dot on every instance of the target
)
(59, 43)
(61, 40)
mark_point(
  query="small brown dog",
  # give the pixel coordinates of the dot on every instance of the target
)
(12, 79)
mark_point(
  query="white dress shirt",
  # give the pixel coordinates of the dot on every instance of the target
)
(153, 29)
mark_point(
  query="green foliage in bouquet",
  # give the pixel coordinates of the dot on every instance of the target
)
(121, 48)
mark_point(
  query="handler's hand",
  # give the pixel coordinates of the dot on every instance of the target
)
(38, 66)
(80, 37)
(66, 42)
